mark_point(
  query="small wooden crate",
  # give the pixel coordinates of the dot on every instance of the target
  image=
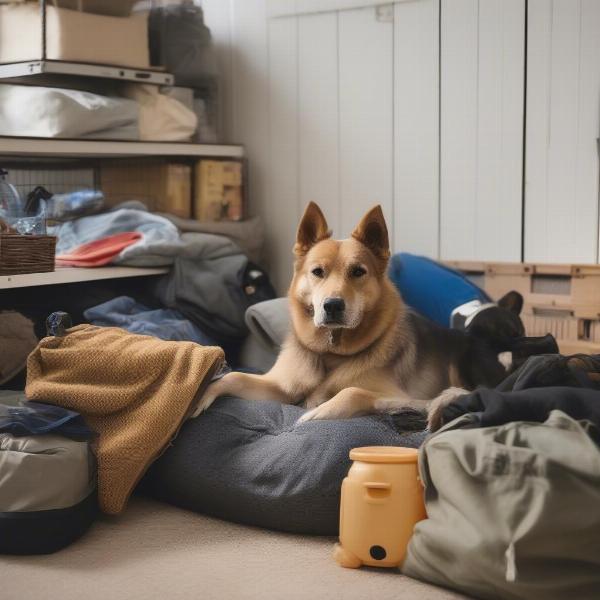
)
(21, 254)
(161, 186)
(563, 300)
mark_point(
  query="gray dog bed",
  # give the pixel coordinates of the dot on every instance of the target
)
(250, 463)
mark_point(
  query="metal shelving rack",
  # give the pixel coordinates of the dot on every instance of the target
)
(65, 148)
(75, 275)
(44, 66)
(26, 150)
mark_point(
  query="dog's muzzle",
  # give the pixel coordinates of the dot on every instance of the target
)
(334, 311)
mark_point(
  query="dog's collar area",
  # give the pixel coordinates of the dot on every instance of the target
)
(463, 315)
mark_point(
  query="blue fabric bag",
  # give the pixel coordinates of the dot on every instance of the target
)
(430, 288)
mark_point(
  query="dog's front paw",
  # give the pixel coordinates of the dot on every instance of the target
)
(327, 410)
(212, 392)
(435, 411)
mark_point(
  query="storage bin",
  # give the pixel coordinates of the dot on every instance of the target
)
(73, 36)
(21, 254)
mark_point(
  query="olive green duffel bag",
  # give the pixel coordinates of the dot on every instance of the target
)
(514, 511)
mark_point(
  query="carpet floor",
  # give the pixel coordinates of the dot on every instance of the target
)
(158, 552)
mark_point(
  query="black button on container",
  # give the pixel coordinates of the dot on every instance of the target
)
(377, 552)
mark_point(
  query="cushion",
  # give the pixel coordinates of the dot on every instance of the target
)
(249, 462)
(269, 322)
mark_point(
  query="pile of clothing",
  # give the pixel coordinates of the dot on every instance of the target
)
(91, 443)
(512, 487)
(212, 279)
(213, 275)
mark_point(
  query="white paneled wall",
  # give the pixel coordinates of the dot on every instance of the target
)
(419, 105)
(318, 113)
(482, 78)
(365, 92)
(563, 124)
(283, 180)
(416, 126)
(359, 141)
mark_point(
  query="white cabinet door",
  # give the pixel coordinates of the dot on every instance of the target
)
(365, 113)
(481, 153)
(563, 124)
(416, 127)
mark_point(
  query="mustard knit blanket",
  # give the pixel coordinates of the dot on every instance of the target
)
(135, 391)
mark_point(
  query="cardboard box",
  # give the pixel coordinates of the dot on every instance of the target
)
(219, 190)
(72, 35)
(563, 300)
(113, 8)
(163, 187)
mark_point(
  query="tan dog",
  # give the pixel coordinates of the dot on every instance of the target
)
(354, 348)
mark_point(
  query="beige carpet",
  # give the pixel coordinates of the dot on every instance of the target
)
(157, 552)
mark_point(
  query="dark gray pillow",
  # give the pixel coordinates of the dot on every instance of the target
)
(249, 462)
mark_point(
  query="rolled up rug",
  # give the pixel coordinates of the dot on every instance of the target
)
(135, 391)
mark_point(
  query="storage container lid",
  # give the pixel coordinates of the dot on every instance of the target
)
(384, 454)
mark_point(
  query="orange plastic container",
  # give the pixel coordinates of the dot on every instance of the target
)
(382, 499)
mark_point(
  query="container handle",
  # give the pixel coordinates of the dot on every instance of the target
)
(377, 491)
(377, 485)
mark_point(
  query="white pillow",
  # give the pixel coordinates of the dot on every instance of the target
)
(59, 113)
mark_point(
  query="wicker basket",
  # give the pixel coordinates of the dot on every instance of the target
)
(20, 254)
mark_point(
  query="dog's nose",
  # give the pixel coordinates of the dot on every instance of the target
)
(333, 307)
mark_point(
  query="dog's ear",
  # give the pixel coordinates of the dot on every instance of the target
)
(372, 232)
(312, 229)
(512, 301)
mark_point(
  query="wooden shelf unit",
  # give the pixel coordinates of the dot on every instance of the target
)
(75, 275)
(13, 147)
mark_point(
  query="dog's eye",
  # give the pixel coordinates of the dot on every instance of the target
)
(357, 272)
(318, 272)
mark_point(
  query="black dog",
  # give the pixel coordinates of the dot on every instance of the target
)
(476, 351)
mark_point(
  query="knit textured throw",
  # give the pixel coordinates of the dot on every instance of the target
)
(133, 390)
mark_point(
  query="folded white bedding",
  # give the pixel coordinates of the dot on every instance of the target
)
(145, 114)
(59, 113)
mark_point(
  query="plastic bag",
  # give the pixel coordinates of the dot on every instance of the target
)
(21, 418)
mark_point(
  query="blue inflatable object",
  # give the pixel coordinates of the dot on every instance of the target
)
(431, 288)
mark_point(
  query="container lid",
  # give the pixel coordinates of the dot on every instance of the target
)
(384, 454)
